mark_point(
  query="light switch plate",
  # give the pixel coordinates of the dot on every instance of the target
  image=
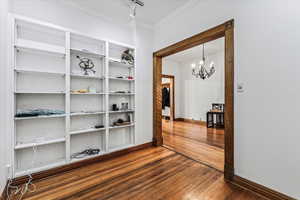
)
(240, 87)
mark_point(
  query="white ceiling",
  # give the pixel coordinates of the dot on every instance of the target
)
(196, 52)
(151, 13)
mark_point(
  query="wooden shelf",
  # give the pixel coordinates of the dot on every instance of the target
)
(29, 145)
(22, 44)
(87, 131)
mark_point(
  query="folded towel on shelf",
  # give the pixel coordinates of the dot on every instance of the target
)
(38, 112)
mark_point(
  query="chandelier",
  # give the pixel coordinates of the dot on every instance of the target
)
(200, 71)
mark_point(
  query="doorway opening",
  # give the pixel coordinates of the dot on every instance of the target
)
(225, 31)
(197, 128)
(168, 97)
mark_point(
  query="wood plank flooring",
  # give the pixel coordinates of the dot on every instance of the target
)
(205, 145)
(155, 173)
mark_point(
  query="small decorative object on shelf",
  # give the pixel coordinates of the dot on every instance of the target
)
(89, 90)
(38, 112)
(99, 126)
(92, 90)
(85, 153)
(124, 106)
(127, 57)
(121, 122)
(115, 107)
(121, 92)
(81, 91)
(86, 64)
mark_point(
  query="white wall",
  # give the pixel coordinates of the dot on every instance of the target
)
(267, 62)
(53, 11)
(4, 6)
(195, 96)
(198, 95)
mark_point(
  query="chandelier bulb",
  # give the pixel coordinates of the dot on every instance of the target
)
(193, 66)
(201, 62)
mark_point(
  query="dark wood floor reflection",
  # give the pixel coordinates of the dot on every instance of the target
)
(155, 173)
(203, 144)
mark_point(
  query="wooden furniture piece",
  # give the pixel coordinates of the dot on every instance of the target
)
(215, 119)
(218, 106)
(45, 73)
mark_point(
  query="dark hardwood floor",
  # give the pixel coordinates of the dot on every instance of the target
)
(205, 145)
(155, 173)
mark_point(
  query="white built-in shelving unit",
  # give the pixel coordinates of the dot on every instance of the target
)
(45, 68)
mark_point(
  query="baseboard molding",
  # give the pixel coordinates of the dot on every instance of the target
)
(68, 167)
(3, 195)
(191, 121)
(259, 189)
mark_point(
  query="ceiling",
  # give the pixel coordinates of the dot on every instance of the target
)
(196, 52)
(150, 14)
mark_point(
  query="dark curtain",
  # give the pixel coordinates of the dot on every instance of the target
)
(165, 98)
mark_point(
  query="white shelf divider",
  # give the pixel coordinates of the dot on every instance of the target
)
(121, 111)
(86, 157)
(124, 126)
(106, 97)
(87, 131)
(88, 93)
(22, 44)
(87, 113)
(38, 92)
(29, 145)
(87, 76)
(120, 94)
(82, 51)
(121, 79)
(119, 63)
(68, 97)
(31, 71)
(41, 117)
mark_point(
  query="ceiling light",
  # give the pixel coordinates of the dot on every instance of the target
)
(201, 71)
